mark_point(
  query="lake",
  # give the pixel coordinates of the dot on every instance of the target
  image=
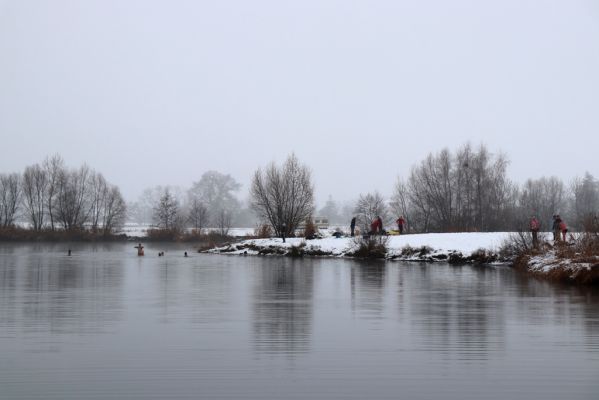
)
(106, 324)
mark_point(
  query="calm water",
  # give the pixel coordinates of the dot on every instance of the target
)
(106, 324)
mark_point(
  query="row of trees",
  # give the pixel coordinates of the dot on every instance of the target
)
(52, 196)
(469, 190)
(465, 190)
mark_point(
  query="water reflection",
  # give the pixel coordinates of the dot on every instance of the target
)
(59, 293)
(367, 283)
(282, 307)
(457, 312)
(120, 326)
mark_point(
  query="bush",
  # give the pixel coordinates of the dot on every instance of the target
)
(297, 251)
(310, 230)
(263, 231)
(408, 251)
(370, 247)
(518, 244)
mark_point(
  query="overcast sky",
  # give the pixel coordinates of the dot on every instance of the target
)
(157, 92)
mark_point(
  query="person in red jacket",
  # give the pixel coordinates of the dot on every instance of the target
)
(400, 224)
(374, 226)
(535, 225)
(563, 228)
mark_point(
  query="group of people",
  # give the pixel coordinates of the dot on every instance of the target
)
(558, 227)
(376, 226)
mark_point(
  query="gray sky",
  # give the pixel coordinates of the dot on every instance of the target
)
(157, 92)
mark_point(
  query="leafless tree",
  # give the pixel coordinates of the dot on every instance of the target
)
(73, 209)
(97, 196)
(223, 222)
(216, 191)
(166, 212)
(461, 192)
(55, 168)
(585, 199)
(368, 207)
(114, 210)
(10, 197)
(35, 185)
(400, 202)
(283, 196)
(542, 197)
(197, 214)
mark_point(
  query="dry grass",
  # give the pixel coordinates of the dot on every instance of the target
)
(574, 261)
(263, 231)
(371, 247)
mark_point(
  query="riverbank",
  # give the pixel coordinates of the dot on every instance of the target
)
(430, 247)
(566, 263)
(16, 234)
(575, 261)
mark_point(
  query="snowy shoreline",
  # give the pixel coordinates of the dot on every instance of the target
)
(454, 248)
(430, 247)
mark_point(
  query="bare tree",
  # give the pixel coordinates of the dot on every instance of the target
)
(216, 191)
(197, 214)
(166, 212)
(368, 207)
(114, 210)
(542, 197)
(35, 184)
(223, 222)
(400, 201)
(55, 168)
(283, 196)
(10, 197)
(461, 192)
(585, 199)
(98, 192)
(72, 202)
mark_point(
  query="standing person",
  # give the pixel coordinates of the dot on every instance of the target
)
(400, 224)
(563, 228)
(380, 223)
(555, 228)
(535, 225)
(374, 226)
(352, 226)
(140, 249)
(283, 231)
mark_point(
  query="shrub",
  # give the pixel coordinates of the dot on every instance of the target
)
(297, 251)
(370, 247)
(408, 251)
(310, 230)
(263, 231)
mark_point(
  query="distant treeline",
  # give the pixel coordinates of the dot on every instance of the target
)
(51, 197)
(468, 190)
(460, 191)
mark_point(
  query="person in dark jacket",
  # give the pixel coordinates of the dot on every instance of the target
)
(352, 226)
(556, 228)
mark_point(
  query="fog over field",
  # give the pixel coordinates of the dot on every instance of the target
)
(156, 93)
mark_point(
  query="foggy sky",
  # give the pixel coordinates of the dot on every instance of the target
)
(157, 92)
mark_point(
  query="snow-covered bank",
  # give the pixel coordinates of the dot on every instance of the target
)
(452, 247)
(551, 265)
